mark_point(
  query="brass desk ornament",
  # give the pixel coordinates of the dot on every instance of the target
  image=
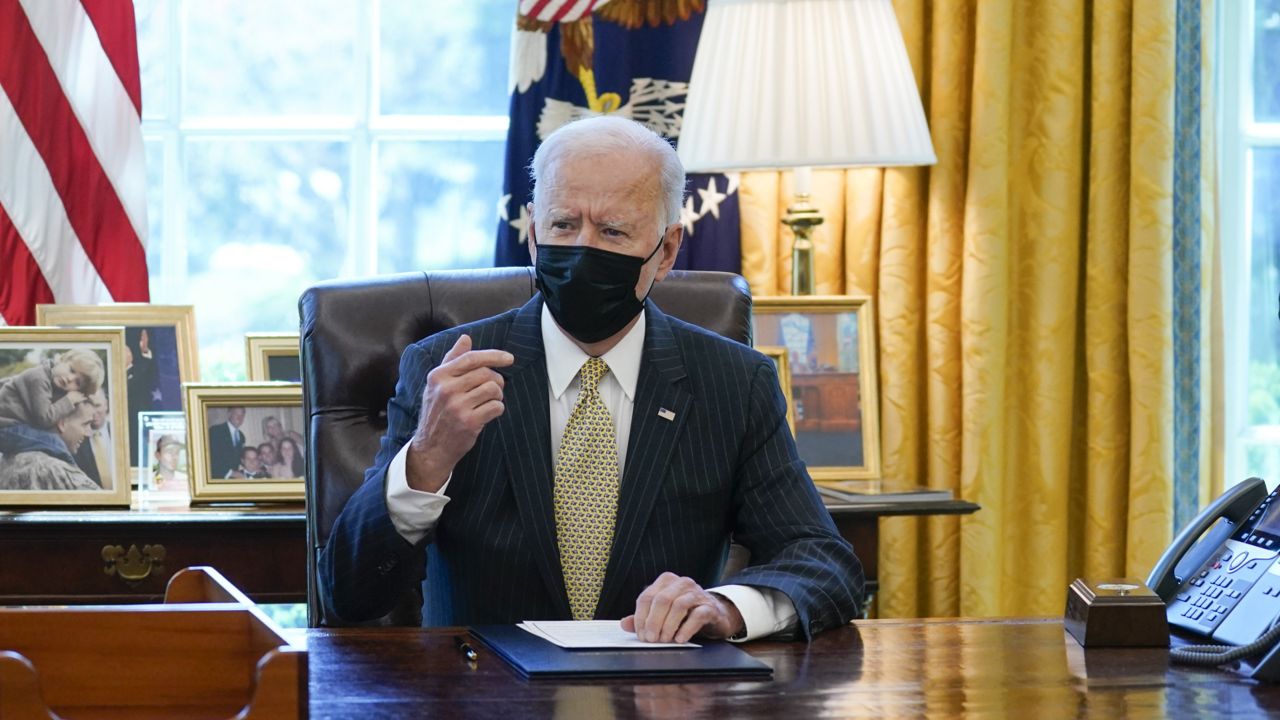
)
(1115, 613)
(802, 218)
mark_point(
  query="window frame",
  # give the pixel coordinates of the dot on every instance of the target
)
(1238, 135)
(363, 131)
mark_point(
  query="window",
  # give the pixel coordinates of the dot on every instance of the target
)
(1249, 43)
(299, 140)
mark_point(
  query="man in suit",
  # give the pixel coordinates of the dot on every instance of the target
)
(226, 440)
(142, 382)
(94, 456)
(586, 455)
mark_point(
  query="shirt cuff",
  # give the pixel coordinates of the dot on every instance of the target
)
(413, 512)
(765, 611)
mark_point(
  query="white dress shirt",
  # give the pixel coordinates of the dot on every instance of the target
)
(414, 513)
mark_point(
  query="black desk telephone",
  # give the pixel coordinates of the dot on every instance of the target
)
(1227, 585)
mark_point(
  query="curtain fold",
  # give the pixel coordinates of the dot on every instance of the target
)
(1023, 293)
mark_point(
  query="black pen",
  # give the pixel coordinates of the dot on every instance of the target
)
(465, 648)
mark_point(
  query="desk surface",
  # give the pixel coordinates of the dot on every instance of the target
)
(878, 668)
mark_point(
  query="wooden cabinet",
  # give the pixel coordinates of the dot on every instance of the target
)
(108, 556)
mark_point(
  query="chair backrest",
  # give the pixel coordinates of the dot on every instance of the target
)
(352, 335)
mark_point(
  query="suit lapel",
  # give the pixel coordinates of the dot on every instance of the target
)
(525, 428)
(662, 406)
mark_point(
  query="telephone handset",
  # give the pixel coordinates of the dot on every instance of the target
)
(1227, 586)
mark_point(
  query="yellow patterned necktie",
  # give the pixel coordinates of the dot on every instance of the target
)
(586, 493)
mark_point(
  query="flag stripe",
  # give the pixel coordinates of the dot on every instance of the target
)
(536, 8)
(97, 95)
(35, 210)
(116, 29)
(24, 286)
(91, 204)
(569, 8)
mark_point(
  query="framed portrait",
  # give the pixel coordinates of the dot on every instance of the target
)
(162, 441)
(160, 353)
(778, 354)
(829, 347)
(272, 357)
(246, 441)
(63, 425)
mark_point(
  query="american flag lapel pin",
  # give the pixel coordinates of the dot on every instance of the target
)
(666, 414)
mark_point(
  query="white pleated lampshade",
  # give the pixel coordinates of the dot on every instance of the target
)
(788, 83)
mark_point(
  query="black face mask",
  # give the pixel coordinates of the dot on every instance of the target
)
(590, 292)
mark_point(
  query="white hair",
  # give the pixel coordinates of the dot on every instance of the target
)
(607, 133)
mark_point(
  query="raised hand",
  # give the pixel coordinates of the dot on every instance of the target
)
(462, 395)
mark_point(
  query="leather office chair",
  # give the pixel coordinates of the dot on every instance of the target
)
(353, 332)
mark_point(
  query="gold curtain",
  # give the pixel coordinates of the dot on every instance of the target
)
(1023, 292)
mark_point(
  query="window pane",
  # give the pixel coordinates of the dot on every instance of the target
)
(445, 57)
(1264, 327)
(1266, 61)
(152, 18)
(437, 204)
(263, 220)
(268, 58)
(155, 206)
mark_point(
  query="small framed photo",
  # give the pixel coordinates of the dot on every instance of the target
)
(272, 357)
(162, 438)
(63, 427)
(778, 354)
(246, 441)
(160, 353)
(828, 340)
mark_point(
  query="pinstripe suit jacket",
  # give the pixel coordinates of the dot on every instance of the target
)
(725, 465)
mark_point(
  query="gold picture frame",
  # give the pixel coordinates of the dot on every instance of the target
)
(778, 354)
(29, 460)
(829, 342)
(265, 353)
(171, 359)
(210, 410)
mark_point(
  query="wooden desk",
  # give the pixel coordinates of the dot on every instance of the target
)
(56, 556)
(878, 668)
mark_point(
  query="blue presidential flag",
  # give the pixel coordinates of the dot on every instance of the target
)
(575, 58)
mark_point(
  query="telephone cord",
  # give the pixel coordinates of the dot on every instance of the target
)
(1209, 655)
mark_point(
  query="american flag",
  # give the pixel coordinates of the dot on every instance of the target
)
(73, 220)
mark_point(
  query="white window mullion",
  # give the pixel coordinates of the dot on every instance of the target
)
(1235, 104)
(174, 263)
(362, 241)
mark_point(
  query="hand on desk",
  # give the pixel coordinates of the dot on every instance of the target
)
(461, 396)
(675, 608)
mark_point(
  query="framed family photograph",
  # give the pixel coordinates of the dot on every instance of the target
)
(778, 354)
(160, 353)
(830, 354)
(162, 440)
(245, 442)
(272, 357)
(63, 426)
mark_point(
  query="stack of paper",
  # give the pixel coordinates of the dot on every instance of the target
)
(584, 634)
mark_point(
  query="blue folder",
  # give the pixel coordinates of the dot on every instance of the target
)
(536, 658)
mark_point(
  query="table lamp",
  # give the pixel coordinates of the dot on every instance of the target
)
(798, 84)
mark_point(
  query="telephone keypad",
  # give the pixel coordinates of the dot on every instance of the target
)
(1208, 596)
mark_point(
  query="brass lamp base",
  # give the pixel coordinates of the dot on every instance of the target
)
(802, 217)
